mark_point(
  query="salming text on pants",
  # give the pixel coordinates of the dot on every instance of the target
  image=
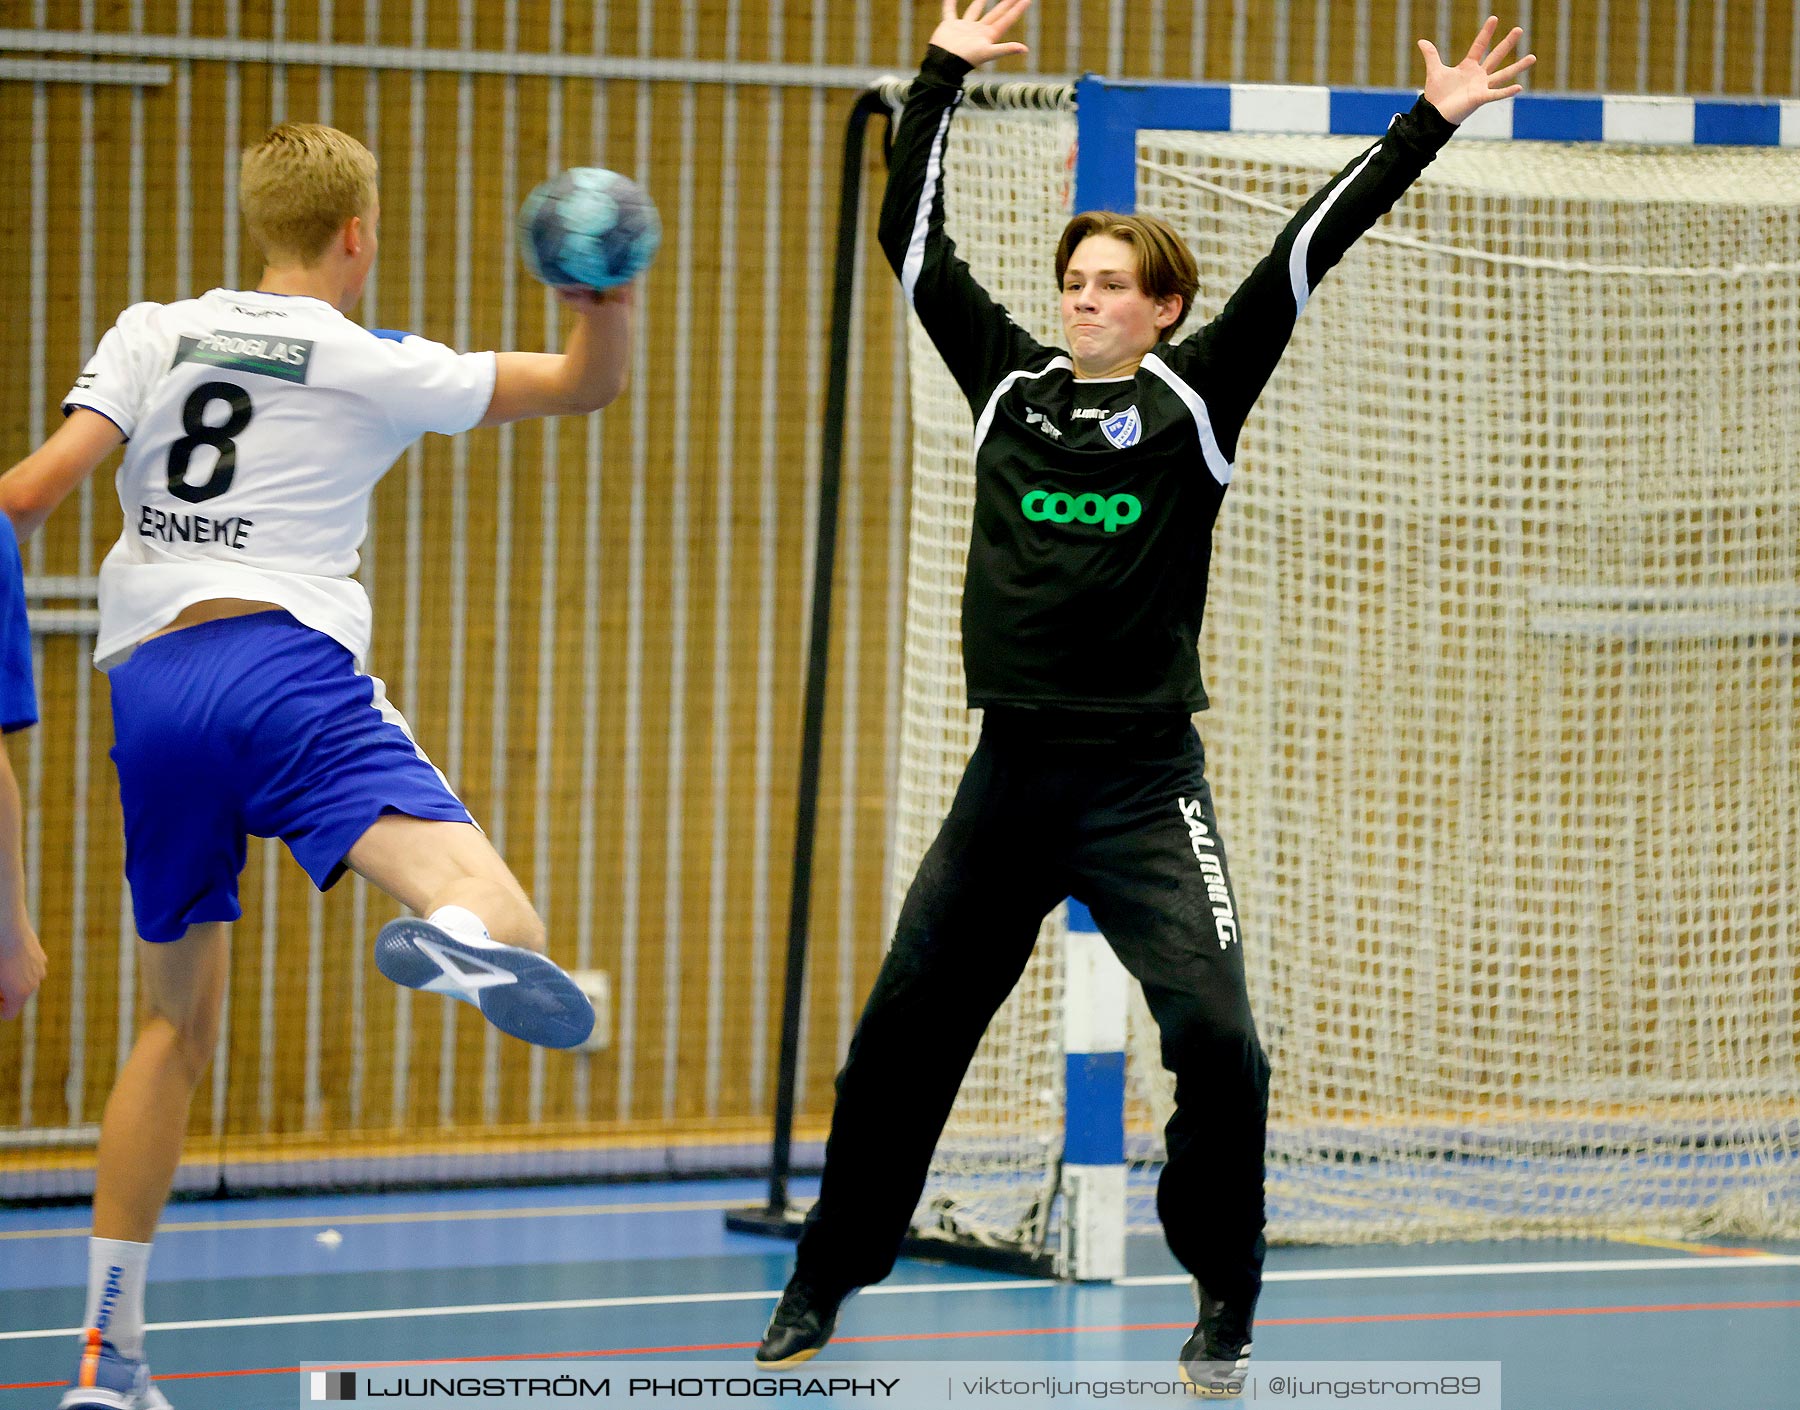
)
(1126, 827)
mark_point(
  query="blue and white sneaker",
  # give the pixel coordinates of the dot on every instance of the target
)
(518, 991)
(108, 1380)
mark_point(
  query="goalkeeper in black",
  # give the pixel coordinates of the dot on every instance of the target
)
(1098, 473)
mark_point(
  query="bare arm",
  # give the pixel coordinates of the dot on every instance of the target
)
(28, 493)
(41, 481)
(22, 963)
(586, 375)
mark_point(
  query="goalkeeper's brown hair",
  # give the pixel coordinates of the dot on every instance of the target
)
(300, 185)
(1165, 265)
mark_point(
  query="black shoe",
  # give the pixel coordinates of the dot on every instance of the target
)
(803, 1322)
(1216, 1358)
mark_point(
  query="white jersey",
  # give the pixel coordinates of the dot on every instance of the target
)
(258, 425)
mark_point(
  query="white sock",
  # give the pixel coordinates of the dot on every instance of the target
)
(465, 925)
(115, 1299)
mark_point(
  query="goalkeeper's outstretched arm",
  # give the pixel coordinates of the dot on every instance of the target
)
(978, 341)
(1232, 358)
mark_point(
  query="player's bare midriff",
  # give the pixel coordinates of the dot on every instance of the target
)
(212, 610)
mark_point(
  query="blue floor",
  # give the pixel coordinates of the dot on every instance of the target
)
(255, 1288)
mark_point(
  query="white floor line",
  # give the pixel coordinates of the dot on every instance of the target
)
(421, 1216)
(1493, 1270)
(1289, 1275)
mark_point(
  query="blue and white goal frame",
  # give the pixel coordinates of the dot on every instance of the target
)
(1109, 115)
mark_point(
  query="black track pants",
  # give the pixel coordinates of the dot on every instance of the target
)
(1128, 829)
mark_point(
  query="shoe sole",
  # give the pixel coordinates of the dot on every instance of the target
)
(787, 1361)
(152, 1399)
(543, 1006)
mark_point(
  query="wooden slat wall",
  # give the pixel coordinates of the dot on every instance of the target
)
(686, 856)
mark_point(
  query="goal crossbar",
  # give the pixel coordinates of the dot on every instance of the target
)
(1113, 111)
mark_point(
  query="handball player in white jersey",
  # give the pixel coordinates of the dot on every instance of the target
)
(256, 424)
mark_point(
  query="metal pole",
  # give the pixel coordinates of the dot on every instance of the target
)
(817, 664)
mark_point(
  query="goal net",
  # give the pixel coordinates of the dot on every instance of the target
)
(1501, 643)
(994, 1177)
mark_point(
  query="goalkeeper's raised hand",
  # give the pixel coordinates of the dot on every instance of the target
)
(1478, 80)
(976, 37)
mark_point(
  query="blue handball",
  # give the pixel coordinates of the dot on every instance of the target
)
(588, 227)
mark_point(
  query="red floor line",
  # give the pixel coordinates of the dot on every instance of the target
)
(1485, 1314)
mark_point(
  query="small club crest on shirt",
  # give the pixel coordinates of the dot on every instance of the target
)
(1124, 429)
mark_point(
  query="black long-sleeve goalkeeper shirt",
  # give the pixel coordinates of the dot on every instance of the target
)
(1095, 499)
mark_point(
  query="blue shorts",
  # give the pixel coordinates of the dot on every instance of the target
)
(253, 725)
(18, 693)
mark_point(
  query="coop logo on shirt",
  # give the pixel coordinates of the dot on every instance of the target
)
(1111, 512)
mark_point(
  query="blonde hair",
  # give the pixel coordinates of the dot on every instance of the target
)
(1165, 265)
(299, 185)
